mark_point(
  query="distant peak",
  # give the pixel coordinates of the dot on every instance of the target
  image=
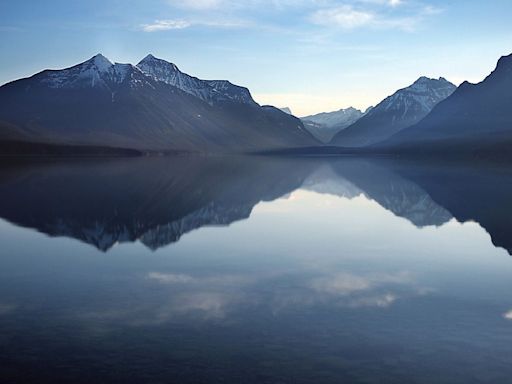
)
(100, 58)
(150, 59)
(101, 62)
(423, 79)
(427, 81)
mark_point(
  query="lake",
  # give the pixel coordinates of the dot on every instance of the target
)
(255, 270)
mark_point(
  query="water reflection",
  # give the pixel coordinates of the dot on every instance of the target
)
(343, 270)
(156, 201)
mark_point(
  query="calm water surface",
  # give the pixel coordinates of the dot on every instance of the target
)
(234, 270)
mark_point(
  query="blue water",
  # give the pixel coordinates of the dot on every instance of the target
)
(255, 270)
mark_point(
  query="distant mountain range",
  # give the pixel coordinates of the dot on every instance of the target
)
(101, 107)
(151, 106)
(404, 108)
(327, 124)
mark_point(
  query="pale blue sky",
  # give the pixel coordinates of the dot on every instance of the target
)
(310, 55)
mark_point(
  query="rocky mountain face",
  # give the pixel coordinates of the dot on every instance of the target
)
(327, 124)
(475, 117)
(153, 107)
(211, 91)
(401, 110)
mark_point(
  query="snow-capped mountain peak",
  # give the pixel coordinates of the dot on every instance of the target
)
(101, 63)
(211, 91)
(418, 98)
(404, 108)
(151, 61)
(98, 71)
(327, 124)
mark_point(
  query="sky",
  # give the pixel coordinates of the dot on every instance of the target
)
(309, 55)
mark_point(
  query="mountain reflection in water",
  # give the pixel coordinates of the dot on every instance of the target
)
(157, 200)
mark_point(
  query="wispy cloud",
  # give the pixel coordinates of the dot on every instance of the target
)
(197, 4)
(260, 14)
(350, 17)
(344, 16)
(390, 3)
(165, 25)
(230, 5)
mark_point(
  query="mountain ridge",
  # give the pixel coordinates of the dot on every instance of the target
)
(326, 125)
(402, 109)
(476, 116)
(107, 104)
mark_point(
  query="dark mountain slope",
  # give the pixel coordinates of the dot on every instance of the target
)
(118, 105)
(475, 117)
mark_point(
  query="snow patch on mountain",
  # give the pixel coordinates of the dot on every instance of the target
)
(327, 124)
(211, 91)
(95, 72)
(403, 109)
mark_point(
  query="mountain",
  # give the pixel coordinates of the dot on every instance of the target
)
(286, 110)
(474, 117)
(153, 107)
(211, 91)
(327, 124)
(401, 110)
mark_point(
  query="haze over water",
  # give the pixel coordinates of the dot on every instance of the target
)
(261, 270)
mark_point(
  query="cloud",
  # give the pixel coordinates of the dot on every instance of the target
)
(348, 17)
(165, 25)
(431, 10)
(230, 5)
(344, 16)
(388, 3)
(261, 14)
(197, 4)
